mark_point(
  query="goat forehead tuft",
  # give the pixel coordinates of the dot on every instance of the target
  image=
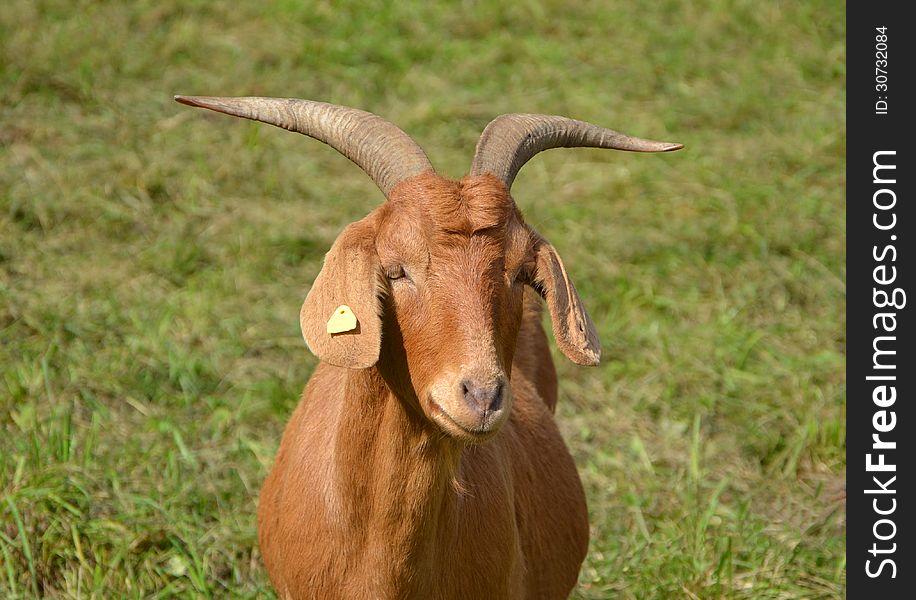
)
(486, 204)
(465, 207)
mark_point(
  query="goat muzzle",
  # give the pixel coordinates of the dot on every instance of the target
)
(471, 408)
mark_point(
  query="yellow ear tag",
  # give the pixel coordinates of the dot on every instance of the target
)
(342, 320)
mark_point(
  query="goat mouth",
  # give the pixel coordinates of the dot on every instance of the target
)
(447, 422)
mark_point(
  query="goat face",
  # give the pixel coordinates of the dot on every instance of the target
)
(435, 278)
(452, 253)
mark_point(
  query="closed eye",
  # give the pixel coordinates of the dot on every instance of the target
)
(395, 272)
(523, 274)
(514, 276)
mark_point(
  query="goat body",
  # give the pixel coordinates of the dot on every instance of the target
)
(365, 500)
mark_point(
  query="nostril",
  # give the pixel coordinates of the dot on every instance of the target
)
(497, 399)
(483, 399)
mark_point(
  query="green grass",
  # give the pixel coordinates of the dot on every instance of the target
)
(153, 259)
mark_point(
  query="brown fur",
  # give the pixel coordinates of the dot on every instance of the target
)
(386, 484)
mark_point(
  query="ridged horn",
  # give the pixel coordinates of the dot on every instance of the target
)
(509, 141)
(378, 147)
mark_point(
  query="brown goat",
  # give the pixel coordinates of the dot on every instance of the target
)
(423, 460)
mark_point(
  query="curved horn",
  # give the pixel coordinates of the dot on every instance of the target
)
(509, 141)
(378, 147)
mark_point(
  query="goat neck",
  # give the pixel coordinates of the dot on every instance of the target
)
(395, 477)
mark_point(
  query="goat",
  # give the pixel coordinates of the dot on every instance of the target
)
(423, 460)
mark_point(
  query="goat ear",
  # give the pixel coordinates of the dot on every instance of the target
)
(572, 327)
(348, 279)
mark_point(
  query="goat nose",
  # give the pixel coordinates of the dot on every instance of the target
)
(483, 399)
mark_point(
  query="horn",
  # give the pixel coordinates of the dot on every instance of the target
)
(509, 141)
(378, 147)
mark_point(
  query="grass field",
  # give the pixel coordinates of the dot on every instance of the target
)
(153, 259)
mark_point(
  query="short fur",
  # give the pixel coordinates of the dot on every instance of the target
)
(387, 483)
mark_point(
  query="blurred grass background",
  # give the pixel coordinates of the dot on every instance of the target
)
(153, 259)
